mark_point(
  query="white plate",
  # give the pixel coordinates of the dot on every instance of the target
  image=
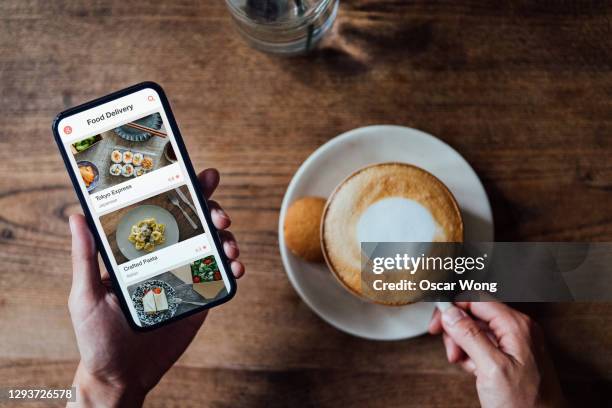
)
(138, 214)
(327, 167)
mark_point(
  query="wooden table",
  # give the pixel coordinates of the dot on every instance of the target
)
(522, 90)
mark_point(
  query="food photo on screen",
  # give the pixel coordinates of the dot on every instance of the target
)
(151, 224)
(177, 291)
(125, 152)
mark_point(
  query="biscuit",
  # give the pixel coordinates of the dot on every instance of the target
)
(302, 228)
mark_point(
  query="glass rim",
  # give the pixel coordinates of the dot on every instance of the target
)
(282, 24)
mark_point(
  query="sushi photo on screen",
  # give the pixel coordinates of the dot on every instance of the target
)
(123, 153)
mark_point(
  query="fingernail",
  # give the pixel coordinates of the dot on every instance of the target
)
(452, 315)
(222, 214)
(71, 224)
(230, 244)
(233, 244)
(469, 364)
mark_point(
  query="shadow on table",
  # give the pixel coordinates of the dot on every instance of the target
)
(583, 383)
(590, 389)
(362, 372)
(506, 214)
(357, 45)
(352, 376)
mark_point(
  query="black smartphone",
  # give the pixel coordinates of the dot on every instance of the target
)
(142, 200)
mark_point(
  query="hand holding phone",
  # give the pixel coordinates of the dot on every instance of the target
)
(144, 205)
(118, 365)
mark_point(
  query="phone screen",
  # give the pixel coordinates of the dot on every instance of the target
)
(137, 188)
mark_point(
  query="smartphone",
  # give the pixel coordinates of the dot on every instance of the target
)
(142, 200)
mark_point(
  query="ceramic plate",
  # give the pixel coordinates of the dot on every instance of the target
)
(153, 121)
(150, 319)
(94, 183)
(327, 167)
(138, 214)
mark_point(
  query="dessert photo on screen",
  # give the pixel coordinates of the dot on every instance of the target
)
(132, 150)
(151, 224)
(177, 291)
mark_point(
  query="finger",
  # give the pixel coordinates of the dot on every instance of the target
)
(219, 217)
(209, 180)
(509, 327)
(487, 330)
(454, 354)
(85, 271)
(230, 246)
(468, 335)
(237, 269)
(488, 311)
(435, 325)
(468, 365)
(104, 275)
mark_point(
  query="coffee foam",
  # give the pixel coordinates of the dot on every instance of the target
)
(397, 219)
(389, 202)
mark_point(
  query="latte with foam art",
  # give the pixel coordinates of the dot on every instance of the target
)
(388, 202)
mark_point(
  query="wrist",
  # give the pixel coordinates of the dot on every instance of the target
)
(93, 391)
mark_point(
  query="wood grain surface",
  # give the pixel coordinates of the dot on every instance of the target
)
(522, 89)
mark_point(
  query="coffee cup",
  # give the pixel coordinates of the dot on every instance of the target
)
(386, 202)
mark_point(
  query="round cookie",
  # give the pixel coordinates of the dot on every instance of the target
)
(302, 228)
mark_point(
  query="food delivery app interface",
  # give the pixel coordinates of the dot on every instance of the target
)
(138, 191)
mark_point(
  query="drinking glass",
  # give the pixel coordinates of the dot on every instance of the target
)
(284, 27)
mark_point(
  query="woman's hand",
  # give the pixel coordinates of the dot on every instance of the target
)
(504, 349)
(119, 365)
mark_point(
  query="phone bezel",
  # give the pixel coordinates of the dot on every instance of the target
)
(201, 201)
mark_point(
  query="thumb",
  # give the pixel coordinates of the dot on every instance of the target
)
(85, 271)
(469, 336)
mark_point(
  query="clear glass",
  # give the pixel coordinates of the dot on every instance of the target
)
(285, 27)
